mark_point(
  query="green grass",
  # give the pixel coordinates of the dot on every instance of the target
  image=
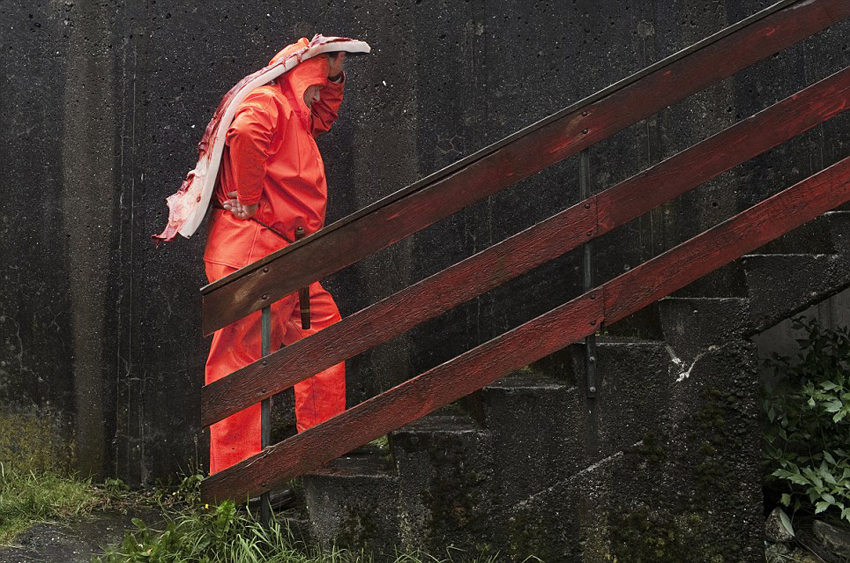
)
(27, 497)
(214, 535)
(190, 531)
(204, 534)
(199, 533)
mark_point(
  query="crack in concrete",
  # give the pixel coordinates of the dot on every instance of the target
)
(590, 468)
(683, 367)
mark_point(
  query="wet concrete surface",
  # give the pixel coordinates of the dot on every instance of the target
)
(75, 541)
(101, 330)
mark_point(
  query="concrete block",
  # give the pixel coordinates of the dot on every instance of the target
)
(781, 285)
(537, 428)
(352, 502)
(444, 464)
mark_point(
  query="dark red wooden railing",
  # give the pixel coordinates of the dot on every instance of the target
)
(485, 173)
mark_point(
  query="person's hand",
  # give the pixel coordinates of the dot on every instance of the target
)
(237, 209)
(336, 61)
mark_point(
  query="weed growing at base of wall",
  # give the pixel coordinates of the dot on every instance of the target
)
(806, 455)
(27, 497)
(200, 533)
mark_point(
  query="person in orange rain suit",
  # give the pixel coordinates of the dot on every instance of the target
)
(272, 175)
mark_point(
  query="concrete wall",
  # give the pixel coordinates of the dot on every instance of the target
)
(104, 102)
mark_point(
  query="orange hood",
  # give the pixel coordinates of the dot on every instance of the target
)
(305, 74)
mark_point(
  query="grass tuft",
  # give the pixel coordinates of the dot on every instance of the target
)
(217, 535)
(196, 532)
(28, 497)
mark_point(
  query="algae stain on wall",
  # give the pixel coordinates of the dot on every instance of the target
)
(88, 159)
(35, 441)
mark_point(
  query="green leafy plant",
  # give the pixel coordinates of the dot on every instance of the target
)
(217, 534)
(808, 414)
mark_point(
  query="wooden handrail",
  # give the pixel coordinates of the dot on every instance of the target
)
(527, 250)
(517, 157)
(537, 338)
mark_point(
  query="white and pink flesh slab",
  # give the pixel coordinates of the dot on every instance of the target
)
(188, 206)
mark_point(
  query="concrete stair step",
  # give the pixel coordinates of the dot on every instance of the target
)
(640, 325)
(528, 379)
(634, 381)
(782, 285)
(815, 237)
(839, 224)
(352, 502)
(691, 324)
(784, 277)
(693, 453)
(297, 519)
(535, 422)
(444, 463)
(546, 428)
(727, 281)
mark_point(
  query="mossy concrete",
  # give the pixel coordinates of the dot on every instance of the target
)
(689, 491)
(445, 469)
(35, 441)
(353, 503)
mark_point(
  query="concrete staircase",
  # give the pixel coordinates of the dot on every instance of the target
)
(652, 469)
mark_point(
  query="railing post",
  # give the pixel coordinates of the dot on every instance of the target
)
(587, 269)
(265, 409)
(304, 292)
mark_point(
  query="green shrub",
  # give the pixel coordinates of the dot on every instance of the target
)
(808, 434)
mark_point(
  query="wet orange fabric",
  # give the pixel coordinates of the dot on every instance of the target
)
(238, 344)
(271, 159)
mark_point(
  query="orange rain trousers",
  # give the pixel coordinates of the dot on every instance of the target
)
(238, 344)
(271, 159)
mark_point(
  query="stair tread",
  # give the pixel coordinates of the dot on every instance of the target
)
(615, 341)
(787, 255)
(297, 513)
(440, 422)
(708, 299)
(527, 380)
(370, 466)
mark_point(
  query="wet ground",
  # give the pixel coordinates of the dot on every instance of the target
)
(76, 541)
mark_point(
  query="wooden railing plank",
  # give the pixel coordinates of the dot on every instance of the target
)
(716, 247)
(747, 139)
(526, 250)
(407, 402)
(551, 331)
(330, 250)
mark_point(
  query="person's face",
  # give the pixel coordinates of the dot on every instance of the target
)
(311, 94)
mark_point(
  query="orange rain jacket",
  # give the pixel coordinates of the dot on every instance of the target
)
(271, 158)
